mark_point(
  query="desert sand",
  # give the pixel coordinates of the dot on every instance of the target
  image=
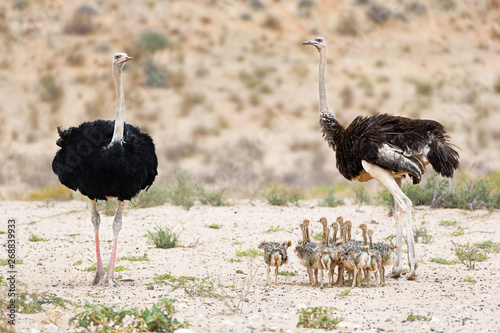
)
(439, 292)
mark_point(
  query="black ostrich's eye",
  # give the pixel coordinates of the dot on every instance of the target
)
(117, 56)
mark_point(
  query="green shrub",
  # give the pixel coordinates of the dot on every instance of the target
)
(489, 246)
(163, 238)
(183, 191)
(109, 206)
(155, 75)
(35, 238)
(469, 254)
(150, 42)
(318, 317)
(443, 261)
(421, 235)
(331, 200)
(412, 317)
(107, 319)
(276, 195)
(156, 195)
(50, 91)
(361, 196)
(252, 253)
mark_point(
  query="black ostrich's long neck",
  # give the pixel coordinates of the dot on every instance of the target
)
(330, 128)
(120, 106)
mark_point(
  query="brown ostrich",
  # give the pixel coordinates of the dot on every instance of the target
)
(386, 148)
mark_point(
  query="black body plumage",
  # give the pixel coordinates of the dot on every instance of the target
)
(89, 163)
(396, 143)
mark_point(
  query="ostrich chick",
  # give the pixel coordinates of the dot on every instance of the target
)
(274, 255)
(305, 250)
(356, 258)
(387, 255)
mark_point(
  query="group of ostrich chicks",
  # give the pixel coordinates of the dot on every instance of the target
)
(345, 253)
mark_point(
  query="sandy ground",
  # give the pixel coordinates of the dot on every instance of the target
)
(438, 293)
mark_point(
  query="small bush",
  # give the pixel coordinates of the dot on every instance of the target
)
(361, 196)
(5, 262)
(496, 86)
(163, 238)
(32, 302)
(442, 261)
(144, 257)
(469, 254)
(331, 200)
(150, 42)
(489, 246)
(109, 206)
(252, 253)
(286, 273)
(214, 226)
(155, 75)
(57, 192)
(212, 198)
(344, 292)
(423, 88)
(276, 195)
(318, 317)
(107, 319)
(348, 24)
(467, 194)
(448, 223)
(412, 317)
(459, 232)
(35, 238)
(183, 191)
(470, 280)
(81, 21)
(421, 235)
(155, 196)
(190, 101)
(50, 91)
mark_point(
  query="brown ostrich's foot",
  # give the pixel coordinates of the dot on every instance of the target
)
(412, 275)
(395, 274)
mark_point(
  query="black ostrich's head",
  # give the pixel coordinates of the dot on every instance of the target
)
(120, 58)
(318, 42)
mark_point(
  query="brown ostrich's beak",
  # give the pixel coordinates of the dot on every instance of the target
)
(309, 42)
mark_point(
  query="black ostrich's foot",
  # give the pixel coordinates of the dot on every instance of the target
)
(99, 275)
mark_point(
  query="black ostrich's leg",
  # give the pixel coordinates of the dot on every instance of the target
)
(96, 221)
(117, 226)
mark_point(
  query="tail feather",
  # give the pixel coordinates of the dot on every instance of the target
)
(443, 158)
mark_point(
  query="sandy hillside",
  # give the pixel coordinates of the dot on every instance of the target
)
(226, 87)
(440, 291)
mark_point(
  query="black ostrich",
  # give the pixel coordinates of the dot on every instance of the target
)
(104, 159)
(386, 148)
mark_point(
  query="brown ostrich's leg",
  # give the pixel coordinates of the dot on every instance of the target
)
(117, 226)
(402, 215)
(96, 221)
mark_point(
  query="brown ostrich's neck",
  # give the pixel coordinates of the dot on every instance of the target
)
(331, 129)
